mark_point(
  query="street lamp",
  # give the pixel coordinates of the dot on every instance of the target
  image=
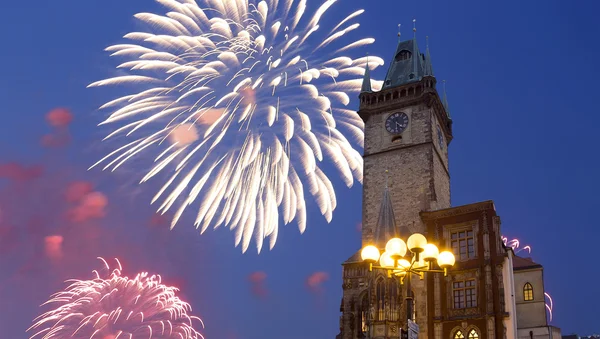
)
(394, 262)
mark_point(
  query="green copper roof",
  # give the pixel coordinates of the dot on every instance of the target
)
(366, 84)
(408, 65)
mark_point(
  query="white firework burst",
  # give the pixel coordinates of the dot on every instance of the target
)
(242, 102)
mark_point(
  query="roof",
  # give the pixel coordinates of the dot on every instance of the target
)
(408, 65)
(520, 263)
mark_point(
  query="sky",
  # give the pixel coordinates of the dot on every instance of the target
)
(522, 89)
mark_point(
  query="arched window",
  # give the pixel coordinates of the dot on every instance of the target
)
(403, 55)
(365, 316)
(528, 292)
(473, 334)
(459, 335)
(380, 299)
(394, 300)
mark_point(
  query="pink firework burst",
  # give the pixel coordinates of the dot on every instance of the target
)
(117, 308)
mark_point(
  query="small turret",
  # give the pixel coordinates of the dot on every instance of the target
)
(366, 84)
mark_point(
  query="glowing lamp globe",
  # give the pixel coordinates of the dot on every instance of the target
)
(416, 243)
(404, 264)
(431, 252)
(446, 259)
(386, 260)
(370, 253)
(396, 247)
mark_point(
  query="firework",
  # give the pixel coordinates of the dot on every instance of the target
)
(515, 244)
(117, 308)
(242, 102)
(549, 304)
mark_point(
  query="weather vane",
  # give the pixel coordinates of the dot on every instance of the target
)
(399, 33)
(415, 27)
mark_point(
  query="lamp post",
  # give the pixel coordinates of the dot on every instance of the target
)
(393, 261)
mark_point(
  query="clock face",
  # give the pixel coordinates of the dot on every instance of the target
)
(440, 137)
(396, 123)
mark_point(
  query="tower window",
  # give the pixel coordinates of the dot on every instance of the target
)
(528, 292)
(473, 334)
(465, 294)
(459, 335)
(463, 244)
(403, 55)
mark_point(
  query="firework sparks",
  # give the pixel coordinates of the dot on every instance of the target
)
(515, 245)
(243, 101)
(549, 304)
(117, 308)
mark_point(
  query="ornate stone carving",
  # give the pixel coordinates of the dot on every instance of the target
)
(484, 222)
(491, 328)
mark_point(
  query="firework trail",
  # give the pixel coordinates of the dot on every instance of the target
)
(515, 245)
(549, 304)
(242, 102)
(117, 307)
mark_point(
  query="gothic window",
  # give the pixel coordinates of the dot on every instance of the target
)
(459, 335)
(403, 55)
(380, 299)
(394, 302)
(473, 334)
(365, 316)
(528, 292)
(465, 294)
(463, 244)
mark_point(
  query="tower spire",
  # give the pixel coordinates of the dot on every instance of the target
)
(445, 99)
(415, 51)
(366, 83)
(428, 64)
(386, 224)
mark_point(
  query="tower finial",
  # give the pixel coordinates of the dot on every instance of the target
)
(386, 178)
(399, 32)
(427, 42)
(415, 28)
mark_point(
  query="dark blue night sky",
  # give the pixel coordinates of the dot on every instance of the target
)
(522, 89)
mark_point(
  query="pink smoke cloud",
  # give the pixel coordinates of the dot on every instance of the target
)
(315, 280)
(53, 247)
(257, 280)
(91, 206)
(17, 172)
(76, 190)
(55, 140)
(59, 117)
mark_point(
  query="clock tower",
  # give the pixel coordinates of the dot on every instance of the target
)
(406, 172)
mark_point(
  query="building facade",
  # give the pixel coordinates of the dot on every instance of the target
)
(406, 189)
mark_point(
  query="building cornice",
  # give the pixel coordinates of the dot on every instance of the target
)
(459, 210)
